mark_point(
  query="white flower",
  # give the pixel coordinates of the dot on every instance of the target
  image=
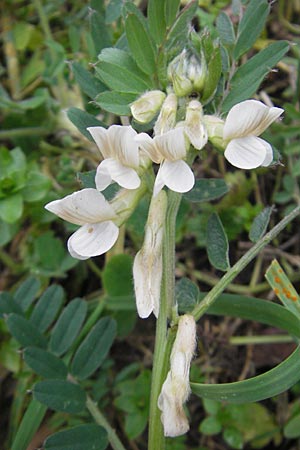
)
(147, 267)
(169, 150)
(166, 120)
(88, 208)
(246, 121)
(121, 156)
(145, 108)
(195, 128)
(176, 388)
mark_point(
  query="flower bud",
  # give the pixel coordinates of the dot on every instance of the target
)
(176, 388)
(145, 108)
(166, 120)
(195, 128)
(187, 72)
(215, 127)
(147, 267)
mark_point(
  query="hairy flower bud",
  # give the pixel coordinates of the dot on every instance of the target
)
(187, 72)
(176, 388)
(195, 128)
(145, 108)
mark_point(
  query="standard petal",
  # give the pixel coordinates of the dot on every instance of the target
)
(246, 153)
(177, 175)
(250, 117)
(85, 206)
(110, 169)
(93, 239)
(125, 148)
(172, 145)
(147, 144)
(101, 137)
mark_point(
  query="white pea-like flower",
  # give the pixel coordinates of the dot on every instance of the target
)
(176, 388)
(244, 123)
(145, 108)
(121, 156)
(169, 150)
(89, 209)
(194, 125)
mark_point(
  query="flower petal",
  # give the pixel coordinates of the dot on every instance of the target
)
(172, 145)
(147, 144)
(248, 152)
(250, 117)
(177, 175)
(100, 136)
(93, 239)
(125, 148)
(85, 206)
(110, 169)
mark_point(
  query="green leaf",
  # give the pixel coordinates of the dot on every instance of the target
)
(68, 326)
(99, 31)
(156, 19)
(255, 389)
(233, 438)
(116, 102)
(82, 437)
(178, 34)
(47, 307)
(225, 29)
(260, 224)
(250, 308)
(31, 421)
(214, 71)
(8, 305)
(37, 186)
(45, 363)
(248, 77)
(113, 10)
(217, 243)
(251, 26)
(82, 120)
(24, 332)
(120, 73)
(283, 288)
(171, 10)
(94, 349)
(207, 189)
(292, 429)
(27, 292)
(11, 208)
(117, 276)
(60, 395)
(7, 232)
(210, 426)
(140, 44)
(186, 294)
(89, 84)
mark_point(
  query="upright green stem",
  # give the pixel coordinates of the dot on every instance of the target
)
(212, 296)
(164, 337)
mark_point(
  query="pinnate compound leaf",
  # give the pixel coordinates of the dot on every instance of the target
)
(207, 189)
(82, 437)
(68, 326)
(60, 395)
(82, 120)
(260, 223)
(140, 44)
(8, 305)
(225, 29)
(251, 26)
(31, 421)
(45, 363)
(24, 332)
(217, 243)
(255, 389)
(94, 348)
(116, 102)
(248, 77)
(47, 307)
(27, 292)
